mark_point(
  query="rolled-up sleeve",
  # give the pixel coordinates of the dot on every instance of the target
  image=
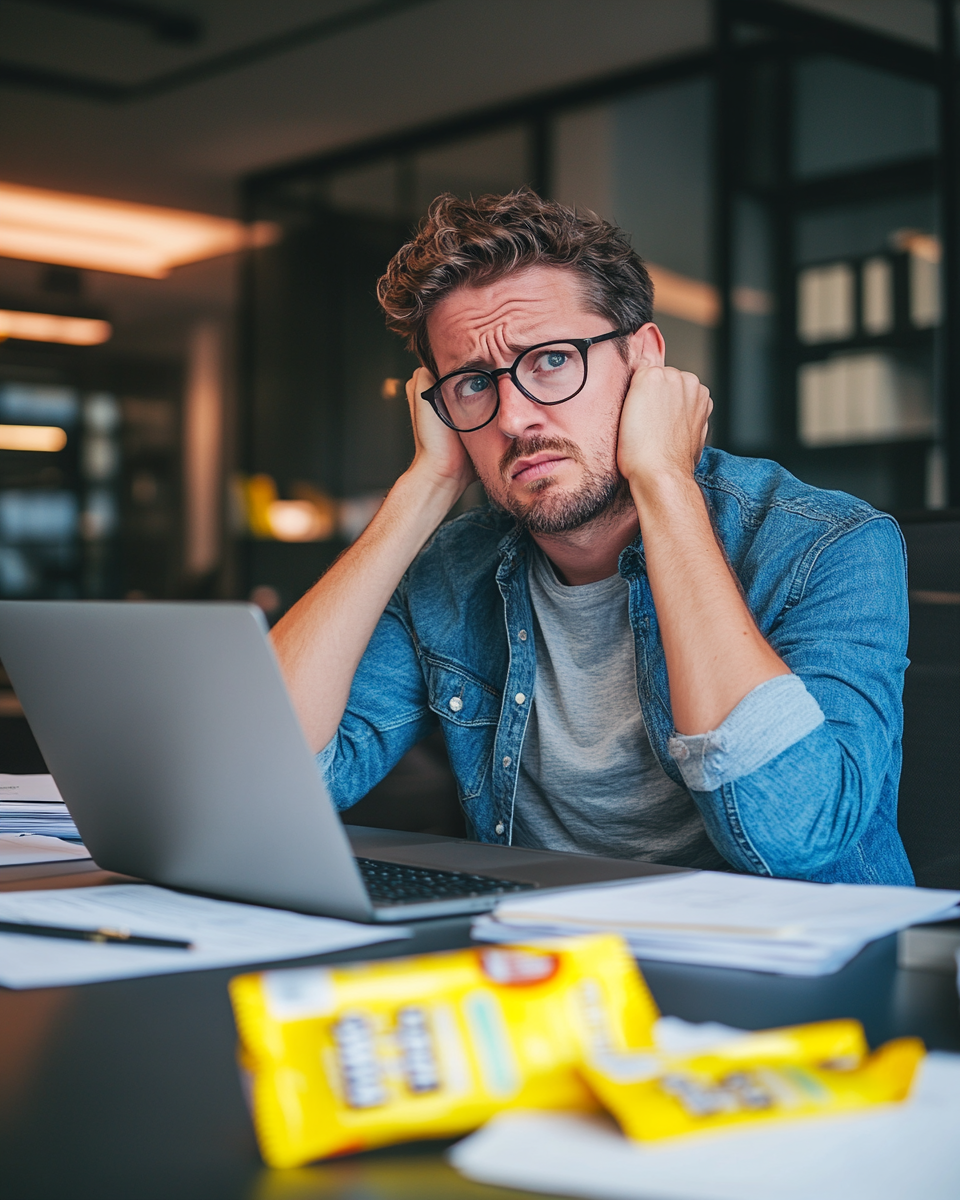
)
(766, 722)
(791, 780)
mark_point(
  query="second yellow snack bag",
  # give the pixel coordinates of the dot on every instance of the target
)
(777, 1074)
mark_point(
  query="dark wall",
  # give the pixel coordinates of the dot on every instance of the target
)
(316, 409)
(930, 785)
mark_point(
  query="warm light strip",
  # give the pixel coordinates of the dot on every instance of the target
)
(921, 245)
(50, 438)
(680, 296)
(113, 235)
(46, 327)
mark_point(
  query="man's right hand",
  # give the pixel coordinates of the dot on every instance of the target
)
(439, 450)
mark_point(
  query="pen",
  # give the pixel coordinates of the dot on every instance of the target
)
(117, 937)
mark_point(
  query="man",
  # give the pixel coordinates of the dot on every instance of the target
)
(641, 647)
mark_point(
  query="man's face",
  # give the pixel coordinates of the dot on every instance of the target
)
(553, 468)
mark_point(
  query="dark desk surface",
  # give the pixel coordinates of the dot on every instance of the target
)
(129, 1090)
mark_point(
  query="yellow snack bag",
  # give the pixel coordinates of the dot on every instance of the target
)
(803, 1070)
(347, 1058)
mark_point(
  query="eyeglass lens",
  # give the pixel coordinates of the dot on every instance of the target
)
(550, 374)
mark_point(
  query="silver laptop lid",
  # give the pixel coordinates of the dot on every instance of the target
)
(173, 741)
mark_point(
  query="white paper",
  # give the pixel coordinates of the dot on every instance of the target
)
(29, 787)
(908, 1151)
(21, 849)
(716, 919)
(224, 934)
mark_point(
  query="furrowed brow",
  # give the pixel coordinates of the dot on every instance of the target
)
(481, 364)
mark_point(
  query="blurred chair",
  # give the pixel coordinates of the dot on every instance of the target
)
(19, 753)
(929, 814)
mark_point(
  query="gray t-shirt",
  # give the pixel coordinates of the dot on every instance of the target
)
(589, 780)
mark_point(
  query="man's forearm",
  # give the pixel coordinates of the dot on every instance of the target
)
(714, 652)
(321, 640)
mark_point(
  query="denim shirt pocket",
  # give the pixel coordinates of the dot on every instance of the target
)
(469, 710)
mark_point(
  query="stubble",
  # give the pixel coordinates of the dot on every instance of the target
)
(548, 508)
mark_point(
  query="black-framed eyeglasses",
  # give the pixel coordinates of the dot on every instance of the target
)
(548, 373)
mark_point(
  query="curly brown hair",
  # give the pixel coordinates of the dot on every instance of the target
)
(472, 242)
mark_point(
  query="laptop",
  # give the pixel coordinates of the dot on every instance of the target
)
(171, 736)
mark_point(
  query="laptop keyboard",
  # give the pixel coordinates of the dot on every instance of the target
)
(394, 883)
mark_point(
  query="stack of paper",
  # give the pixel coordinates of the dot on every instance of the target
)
(714, 919)
(32, 804)
(50, 819)
(894, 1152)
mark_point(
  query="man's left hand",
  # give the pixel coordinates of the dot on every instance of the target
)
(663, 425)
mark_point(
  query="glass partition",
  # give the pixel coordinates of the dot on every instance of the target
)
(830, 205)
(849, 116)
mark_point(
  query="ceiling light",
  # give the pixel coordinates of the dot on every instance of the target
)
(113, 235)
(32, 437)
(47, 327)
(296, 521)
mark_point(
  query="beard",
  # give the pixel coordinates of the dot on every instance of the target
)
(550, 510)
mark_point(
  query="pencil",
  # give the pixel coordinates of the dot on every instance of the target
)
(115, 937)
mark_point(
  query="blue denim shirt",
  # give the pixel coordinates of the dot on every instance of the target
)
(799, 781)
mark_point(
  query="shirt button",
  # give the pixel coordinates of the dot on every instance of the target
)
(498, 829)
(682, 752)
(522, 635)
(455, 703)
(520, 697)
(507, 760)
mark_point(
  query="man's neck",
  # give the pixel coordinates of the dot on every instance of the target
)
(590, 553)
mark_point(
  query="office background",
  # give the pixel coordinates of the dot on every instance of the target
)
(790, 172)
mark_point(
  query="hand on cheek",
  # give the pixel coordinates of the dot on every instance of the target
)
(663, 425)
(439, 450)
